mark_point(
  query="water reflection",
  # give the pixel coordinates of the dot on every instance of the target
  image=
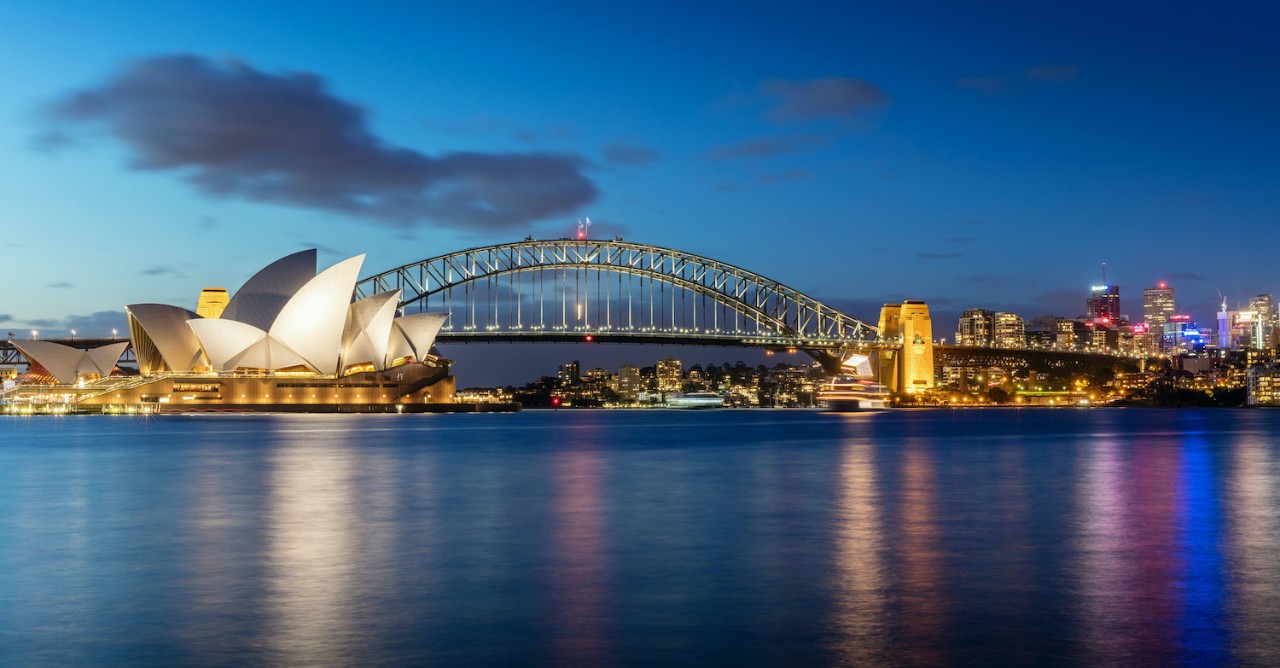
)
(860, 586)
(1254, 543)
(578, 573)
(922, 573)
(1131, 568)
(312, 558)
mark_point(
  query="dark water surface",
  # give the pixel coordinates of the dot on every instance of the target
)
(982, 537)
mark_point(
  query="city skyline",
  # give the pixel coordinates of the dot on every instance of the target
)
(988, 157)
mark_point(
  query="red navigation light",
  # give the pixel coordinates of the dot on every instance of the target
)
(1106, 320)
(1162, 285)
(588, 339)
(555, 401)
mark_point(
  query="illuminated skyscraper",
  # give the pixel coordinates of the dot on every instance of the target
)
(1104, 304)
(1265, 328)
(1157, 305)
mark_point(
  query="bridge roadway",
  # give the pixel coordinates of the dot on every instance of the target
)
(943, 355)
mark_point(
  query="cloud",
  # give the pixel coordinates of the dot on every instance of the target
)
(233, 131)
(827, 97)
(160, 270)
(60, 285)
(1011, 84)
(958, 240)
(324, 249)
(1186, 276)
(631, 155)
(727, 187)
(988, 85)
(788, 175)
(1052, 74)
(939, 256)
(765, 147)
(997, 281)
(551, 133)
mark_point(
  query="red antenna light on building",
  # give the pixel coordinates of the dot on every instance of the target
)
(583, 226)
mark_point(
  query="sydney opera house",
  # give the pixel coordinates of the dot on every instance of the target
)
(290, 339)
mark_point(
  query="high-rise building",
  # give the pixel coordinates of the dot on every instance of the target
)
(1266, 330)
(1262, 386)
(1181, 335)
(911, 368)
(1008, 331)
(1157, 305)
(212, 302)
(1070, 333)
(975, 327)
(629, 382)
(1103, 304)
(670, 377)
(569, 374)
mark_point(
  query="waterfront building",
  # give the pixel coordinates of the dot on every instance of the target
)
(975, 327)
(212, 302)
(670, 375)
(1262, 385)
(1008, 331)
(909, 369)
(569, 374)
(289, 339)
(1103, 304)
(629, 383)
(71, 366)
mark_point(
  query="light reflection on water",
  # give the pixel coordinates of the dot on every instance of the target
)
(650, 538)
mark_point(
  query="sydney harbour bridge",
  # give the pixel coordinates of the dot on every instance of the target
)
(614, 291)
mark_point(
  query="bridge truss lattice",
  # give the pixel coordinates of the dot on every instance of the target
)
(617, 290)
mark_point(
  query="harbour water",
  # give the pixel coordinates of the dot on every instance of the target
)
(657, 538)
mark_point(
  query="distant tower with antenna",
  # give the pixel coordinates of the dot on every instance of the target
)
(1103, 305)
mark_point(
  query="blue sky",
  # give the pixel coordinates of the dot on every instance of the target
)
(969, 155)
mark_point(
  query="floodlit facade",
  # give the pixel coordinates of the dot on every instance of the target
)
(910, 369)
(289, 339)
(212, 302)
(72, 365)
(286, 318)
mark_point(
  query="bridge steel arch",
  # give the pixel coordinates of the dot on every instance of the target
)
(782, 315)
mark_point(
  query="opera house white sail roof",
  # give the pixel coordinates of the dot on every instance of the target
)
(286, 317)
(68, 364)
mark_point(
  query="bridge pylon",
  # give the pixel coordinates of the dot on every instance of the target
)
(905, 360)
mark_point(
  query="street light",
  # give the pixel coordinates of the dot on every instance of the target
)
(113, 333)
(34, 333)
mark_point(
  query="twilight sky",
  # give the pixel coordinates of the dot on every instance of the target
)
(970, 156)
